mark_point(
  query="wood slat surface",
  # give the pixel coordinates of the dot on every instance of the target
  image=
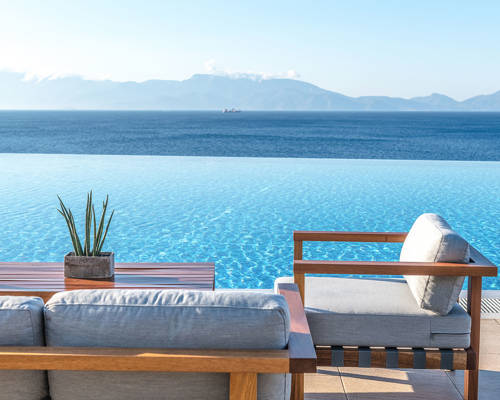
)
(46, 279)
(378, 358)
(462, 359)
(243, 386)
(300, 344)
(392, 268)
(128, 359)
(328, 236)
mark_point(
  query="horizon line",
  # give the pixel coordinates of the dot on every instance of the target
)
(218, 110)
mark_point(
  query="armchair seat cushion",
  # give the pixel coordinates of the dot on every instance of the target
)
(377, 312)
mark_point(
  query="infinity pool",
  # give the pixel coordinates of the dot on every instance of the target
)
(241, 212)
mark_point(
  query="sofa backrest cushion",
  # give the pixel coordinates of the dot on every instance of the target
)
(431, 239)
(21, 324)
(163, 319)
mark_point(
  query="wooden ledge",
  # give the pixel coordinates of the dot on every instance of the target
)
(300, 344)
(391, 268)
(326, 236)
(381, 357)
(126, 359)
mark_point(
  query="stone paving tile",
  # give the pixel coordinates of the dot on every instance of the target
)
(490, 336)
(489, 383)
(388, 384)
(325, 385)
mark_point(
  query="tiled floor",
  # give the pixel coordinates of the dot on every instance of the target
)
(381, 384)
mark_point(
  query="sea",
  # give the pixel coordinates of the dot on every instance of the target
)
(352, 135)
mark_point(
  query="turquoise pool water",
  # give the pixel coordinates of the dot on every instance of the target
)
(240, 212)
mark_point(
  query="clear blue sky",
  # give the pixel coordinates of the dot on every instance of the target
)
(397, 48)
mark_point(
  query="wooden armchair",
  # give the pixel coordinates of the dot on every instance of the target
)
(241, 365)
(460, 359)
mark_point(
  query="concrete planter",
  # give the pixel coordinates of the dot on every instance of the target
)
(84, 267)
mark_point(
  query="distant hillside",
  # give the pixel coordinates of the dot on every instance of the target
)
(438, 100)
(484, 102)
(211, 92)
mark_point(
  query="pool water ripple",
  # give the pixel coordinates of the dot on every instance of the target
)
(241, 212)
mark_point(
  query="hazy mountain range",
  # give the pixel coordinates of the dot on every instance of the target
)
(211, 92)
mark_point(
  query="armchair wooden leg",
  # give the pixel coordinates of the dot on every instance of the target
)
(471, 376)
(471, 384)
(297, 387)
(243, 386)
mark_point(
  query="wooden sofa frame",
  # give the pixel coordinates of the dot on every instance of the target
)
(458, 359)
(241, 365)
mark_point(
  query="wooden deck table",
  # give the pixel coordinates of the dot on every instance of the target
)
(44, 279)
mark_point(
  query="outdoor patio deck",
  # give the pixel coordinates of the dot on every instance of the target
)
(384, 384)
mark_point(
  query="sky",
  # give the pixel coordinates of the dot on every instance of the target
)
(393, 48)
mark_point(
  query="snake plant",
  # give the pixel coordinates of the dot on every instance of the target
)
(99, 233)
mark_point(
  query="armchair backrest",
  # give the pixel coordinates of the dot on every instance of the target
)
(431, 239)
(164, 319)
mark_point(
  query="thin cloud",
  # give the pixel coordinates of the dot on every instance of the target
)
(210, 66)
(212, 69)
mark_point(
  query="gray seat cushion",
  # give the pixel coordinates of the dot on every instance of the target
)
(377, 312)
(164, 319)
(21, 324)
(431, 239)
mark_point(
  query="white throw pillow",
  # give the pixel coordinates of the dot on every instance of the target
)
(431, 239)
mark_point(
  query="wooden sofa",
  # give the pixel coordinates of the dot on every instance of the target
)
(241, 365)
(430, 358)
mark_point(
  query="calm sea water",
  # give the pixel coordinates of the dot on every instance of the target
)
(399, 135)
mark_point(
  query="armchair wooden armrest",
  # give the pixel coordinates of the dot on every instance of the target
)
(326, 236)
(478, 266)
(391, 268)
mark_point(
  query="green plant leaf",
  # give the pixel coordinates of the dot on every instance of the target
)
(70, 230)
(101, 225)
(94, 248)
(75, 233)
(68, 216)
(106, 231)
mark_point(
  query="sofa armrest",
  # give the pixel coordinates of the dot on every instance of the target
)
(300, 345)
